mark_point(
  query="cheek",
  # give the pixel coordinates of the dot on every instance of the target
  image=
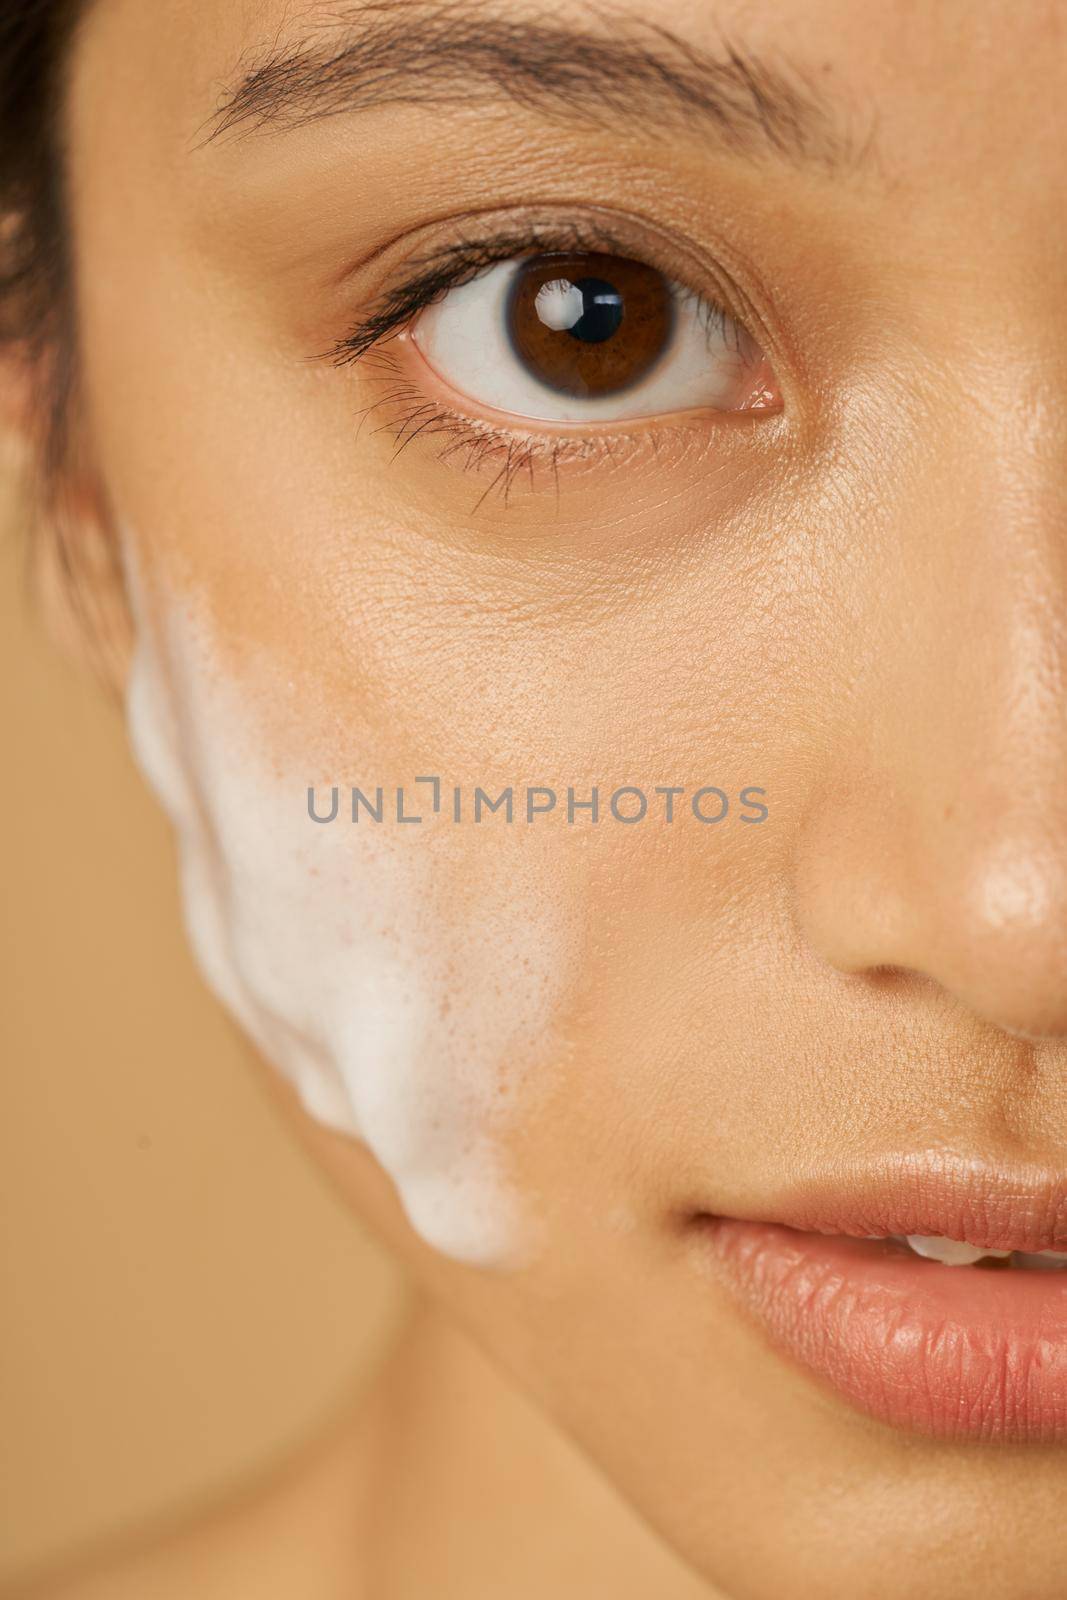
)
(408, 980)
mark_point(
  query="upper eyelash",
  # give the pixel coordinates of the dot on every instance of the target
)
(461, 262)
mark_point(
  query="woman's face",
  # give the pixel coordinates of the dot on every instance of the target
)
(757, 486)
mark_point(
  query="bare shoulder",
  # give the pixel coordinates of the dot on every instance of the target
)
(294, 1536)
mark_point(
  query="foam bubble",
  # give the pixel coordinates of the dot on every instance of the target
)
(404, 1014)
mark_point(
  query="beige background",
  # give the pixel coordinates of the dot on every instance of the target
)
(182, 1296)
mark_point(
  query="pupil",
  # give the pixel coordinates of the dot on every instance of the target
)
(602, 311)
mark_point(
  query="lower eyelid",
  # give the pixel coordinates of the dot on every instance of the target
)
(541, 431)
(513, 457)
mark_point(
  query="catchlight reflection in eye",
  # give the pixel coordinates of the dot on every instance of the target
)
(585, 337)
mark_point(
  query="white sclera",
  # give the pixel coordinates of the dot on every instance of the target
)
(399, 1020)
(464, 338)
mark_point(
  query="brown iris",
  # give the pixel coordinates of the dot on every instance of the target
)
(587, 324)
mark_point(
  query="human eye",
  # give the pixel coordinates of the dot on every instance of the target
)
(570, 336)
(588, 337)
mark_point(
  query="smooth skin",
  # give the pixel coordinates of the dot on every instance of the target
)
(858, 602)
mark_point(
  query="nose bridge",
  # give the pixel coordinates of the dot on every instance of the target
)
(991, 815)
(989, 643)
(957, 868)
(985, 548)
(984, 826)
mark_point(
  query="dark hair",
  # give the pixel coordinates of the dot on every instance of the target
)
(36, 310)
(34, 275)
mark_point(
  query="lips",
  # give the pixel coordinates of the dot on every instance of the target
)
(973, 1351)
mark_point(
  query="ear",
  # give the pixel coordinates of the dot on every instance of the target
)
(73, 552)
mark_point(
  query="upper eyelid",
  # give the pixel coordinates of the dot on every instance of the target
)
(445, 269)
(469, 258)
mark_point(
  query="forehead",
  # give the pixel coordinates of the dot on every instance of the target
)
(962, 87)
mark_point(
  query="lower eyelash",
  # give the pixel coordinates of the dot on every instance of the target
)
(405, 412)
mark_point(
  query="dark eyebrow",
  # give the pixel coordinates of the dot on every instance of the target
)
(621, 70)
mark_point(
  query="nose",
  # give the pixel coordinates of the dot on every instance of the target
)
(935, 844)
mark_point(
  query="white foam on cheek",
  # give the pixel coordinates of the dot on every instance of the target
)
(398, 1019)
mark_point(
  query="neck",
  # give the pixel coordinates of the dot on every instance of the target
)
(470, 1490)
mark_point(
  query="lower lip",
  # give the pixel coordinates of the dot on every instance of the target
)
(953, 1352)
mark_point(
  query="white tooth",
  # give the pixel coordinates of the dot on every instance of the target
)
(950, 1252)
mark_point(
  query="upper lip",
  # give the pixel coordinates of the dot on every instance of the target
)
(932, 1193)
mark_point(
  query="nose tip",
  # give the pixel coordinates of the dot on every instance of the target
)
(981, 914)
(1008, 959)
